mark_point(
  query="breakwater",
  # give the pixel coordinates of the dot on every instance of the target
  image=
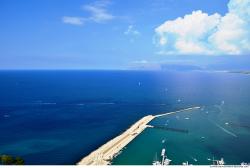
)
(104, 154)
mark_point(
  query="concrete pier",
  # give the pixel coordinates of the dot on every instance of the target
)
(104, 154)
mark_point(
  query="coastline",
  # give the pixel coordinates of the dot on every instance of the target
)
(104, 154)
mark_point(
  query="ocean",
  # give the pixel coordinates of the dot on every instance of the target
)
(58, 117)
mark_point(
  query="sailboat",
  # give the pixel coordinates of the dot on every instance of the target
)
(156, 162)
(164, 161)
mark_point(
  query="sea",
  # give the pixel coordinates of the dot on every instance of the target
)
(54, 117)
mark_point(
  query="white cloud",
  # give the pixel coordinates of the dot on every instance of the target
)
(73, 20)
(131, 31)
(200, 33)
(98, 13)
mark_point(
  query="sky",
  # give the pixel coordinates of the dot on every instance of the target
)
(118, 34)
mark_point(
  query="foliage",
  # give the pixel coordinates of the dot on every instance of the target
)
(10, 160)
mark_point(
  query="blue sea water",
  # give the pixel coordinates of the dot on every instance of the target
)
(57, 117)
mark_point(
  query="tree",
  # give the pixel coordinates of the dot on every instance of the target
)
(9, 160)
(19, 161)
(6, 160)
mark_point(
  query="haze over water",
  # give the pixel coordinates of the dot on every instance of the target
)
(57, 117)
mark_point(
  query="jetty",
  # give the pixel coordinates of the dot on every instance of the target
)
(104, 154)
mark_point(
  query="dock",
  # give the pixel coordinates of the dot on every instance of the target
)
(104, 154)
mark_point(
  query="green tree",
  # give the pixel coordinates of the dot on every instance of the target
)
(19, 161)
(9, 160)
(6, 160)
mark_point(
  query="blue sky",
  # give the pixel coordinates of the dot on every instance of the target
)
(114, 34)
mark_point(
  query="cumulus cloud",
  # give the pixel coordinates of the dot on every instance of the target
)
(200, 33)
(98, 13)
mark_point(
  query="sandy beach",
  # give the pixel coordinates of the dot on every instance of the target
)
(104, 154)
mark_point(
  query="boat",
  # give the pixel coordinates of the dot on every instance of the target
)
(164, 161)
(163, 141)
(218, 162)
(221, 162)
(156, 162)
(194, 159)
(243, 164)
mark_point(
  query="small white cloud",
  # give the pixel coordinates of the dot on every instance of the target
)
(132, 31)
(73, 20)
(98, 13)
(200, 33)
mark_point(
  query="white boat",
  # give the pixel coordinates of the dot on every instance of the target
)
(163, 141)
(156, 163)
(164, 161)
(221, 162)
(243, 164)
(218, 162)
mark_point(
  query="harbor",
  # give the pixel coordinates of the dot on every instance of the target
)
(196, 137)
(104, 154)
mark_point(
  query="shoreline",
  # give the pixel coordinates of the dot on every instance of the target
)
(104, 154)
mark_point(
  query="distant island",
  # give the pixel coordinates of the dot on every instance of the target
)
(242, 72)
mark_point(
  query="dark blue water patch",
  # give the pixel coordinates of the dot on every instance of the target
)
(57, 117)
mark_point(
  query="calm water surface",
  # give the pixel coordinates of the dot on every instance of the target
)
(57, 117)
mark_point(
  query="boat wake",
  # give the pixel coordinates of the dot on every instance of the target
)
(225, 130)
